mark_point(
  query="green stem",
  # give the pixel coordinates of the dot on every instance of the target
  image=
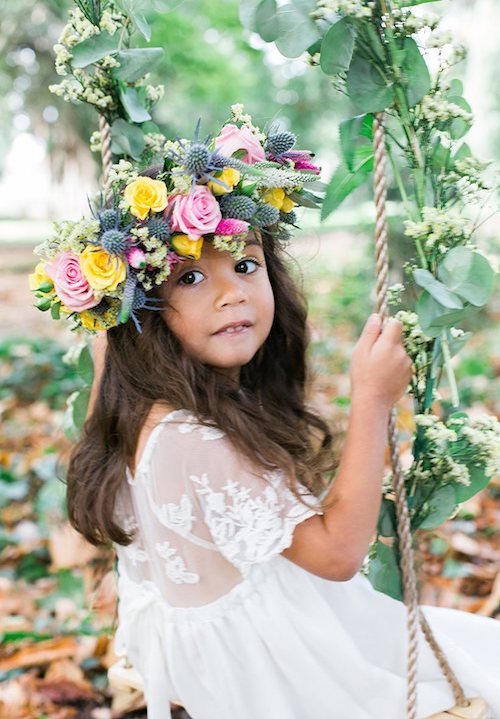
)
(399, 181)
(455, 400)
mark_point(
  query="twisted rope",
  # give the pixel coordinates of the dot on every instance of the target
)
(403, 519)
(106, 158)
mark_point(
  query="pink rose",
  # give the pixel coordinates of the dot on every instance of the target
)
(70, 284)
(234, 138)
(230, 226)
(195, 214)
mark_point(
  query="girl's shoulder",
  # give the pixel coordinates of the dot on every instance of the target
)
(182, 420)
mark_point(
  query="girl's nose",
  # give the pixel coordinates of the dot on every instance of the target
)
(230, 291)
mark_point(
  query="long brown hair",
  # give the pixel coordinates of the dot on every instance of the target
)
(266, 416)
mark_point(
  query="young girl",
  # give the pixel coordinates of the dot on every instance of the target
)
(238, 560)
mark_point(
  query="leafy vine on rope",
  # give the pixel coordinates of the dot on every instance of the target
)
(375, 53)
(98, 67)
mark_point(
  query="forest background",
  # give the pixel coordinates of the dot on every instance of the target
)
(56, 631)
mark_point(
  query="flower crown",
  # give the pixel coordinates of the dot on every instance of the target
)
(96, 271)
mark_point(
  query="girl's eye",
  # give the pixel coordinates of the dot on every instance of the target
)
(250, 260)
(188, 278)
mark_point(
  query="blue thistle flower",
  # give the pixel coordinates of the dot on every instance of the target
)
(157, 227)
(280, 142)
(289, 217)
(114, 241)
(197, 159)
(239, 207)
(265, 214)
(109, 219)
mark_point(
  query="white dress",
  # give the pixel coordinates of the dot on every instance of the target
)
(211, 614)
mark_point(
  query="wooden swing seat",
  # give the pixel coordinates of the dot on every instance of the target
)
(124, 678)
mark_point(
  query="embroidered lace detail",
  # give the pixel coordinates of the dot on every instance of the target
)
(175, 567)
(247, 527)
(178, 517)
(192, 424)
(134, 551)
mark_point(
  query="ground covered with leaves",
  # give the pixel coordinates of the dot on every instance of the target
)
(57, 593)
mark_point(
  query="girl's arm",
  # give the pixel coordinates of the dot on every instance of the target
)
(99, 350)
(334, 545)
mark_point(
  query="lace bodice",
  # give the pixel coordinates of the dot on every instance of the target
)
(203, 513)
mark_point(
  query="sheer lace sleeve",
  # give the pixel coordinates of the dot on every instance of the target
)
(206, 513)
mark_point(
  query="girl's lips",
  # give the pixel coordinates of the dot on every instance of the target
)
(233, 331)
(237, 324)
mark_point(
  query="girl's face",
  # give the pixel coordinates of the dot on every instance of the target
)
(207, 295)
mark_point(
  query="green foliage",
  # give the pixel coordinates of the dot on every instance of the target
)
(95, 48)
(137, 62)
(383, 571)
(33, 370)
(344, 181)
(368, 85)
(337, 47)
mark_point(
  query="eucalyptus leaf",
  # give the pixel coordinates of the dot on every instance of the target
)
(266, 20)
(456, 87)
(133, 106)
(297, 31)
(478, 482)
(337, 47)
(367, 86)
(439, 507)
(433, 316)
(455, 344)
(79, 407)
(462, 152)
(345, 181)
(441, 157)
(85, 365)
(387, 521)
(247, 14)
(383, 571)
(468, 274)
(127, 139)
(351, 130)
(415, 73)
(137, 62)
(459, 127)
(95, 48)
(134, 9)
(437, 289)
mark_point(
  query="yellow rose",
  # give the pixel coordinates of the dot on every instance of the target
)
(277, 198)
(102, 270)
(287, 205)
(144, 194)
(38, 277)
(229, 176)
(186, 247)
